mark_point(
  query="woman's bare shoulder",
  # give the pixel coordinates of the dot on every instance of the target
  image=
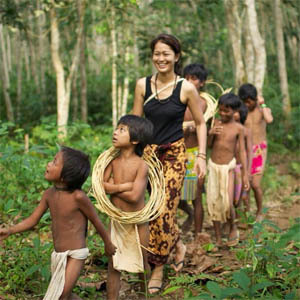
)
(187, 86)
(141, 82)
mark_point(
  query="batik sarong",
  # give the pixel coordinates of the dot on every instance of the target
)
(164, 232)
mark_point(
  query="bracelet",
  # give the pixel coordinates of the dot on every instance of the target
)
(201, 155)
(263, 105)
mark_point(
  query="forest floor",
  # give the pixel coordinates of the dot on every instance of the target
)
(282, 207)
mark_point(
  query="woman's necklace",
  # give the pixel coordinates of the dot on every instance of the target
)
(155, 84)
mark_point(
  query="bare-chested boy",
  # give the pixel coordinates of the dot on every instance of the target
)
(70, 208)
(259, 116)
(223, 138)
(192, 185)
(126, 179)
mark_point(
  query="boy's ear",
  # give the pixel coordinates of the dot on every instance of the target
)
(134, 142)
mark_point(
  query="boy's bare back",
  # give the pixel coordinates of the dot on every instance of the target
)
(68, 221)
(224, 143)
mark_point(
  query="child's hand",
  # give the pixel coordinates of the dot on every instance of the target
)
(216, 130)
(260, 100)
(109, 248)
(4, 233)
(246, 185)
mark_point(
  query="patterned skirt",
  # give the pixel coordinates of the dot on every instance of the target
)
(164, 232)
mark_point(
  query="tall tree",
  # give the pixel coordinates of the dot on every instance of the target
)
(5, 77)
(64, 84)
(234, 24)
(286, 104)
(258, 45)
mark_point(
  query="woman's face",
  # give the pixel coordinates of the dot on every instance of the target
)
(164, 58)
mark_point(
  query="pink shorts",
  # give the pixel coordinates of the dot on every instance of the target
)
(259, 158)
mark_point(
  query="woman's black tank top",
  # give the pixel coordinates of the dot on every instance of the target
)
(166, 115)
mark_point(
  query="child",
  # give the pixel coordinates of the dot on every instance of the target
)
(223, 138)
(259, 115)
(193, 186)
(69, 208)
(125, 179)
(239, 193)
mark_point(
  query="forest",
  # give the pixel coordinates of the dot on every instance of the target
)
(68, 70)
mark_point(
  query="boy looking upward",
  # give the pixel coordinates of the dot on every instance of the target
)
(125, 179)
(223, 139)
(193, 186)
(259, 115)
(70, 208)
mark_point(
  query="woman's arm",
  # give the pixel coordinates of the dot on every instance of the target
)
(193, 100)
(29, 222)
(139, 93)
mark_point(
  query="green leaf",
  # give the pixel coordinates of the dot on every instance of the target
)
(242, 280)
(261, 285)
(171, 289)
(231, 291)
(214, 288)
(31, 270)
(290, 296)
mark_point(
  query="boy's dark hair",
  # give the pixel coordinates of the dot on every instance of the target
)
(140, 130)
(247, 91)
(197, 70)
(230, 100)
(243, 111)
(76, 167)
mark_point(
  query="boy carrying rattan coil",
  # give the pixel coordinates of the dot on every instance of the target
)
(125, 179)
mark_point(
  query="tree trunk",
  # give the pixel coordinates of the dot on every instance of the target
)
(74, 99)
(5, 78)
(249, 54)
(114, 68)
(19, 73)
(286, 104)
(8, 52)
(62, 101)
(64, 86)
(235, 29)
(258, 45)
(26, 58)
(126, 83)
(41, 46)
(33, 65)
(83, 86)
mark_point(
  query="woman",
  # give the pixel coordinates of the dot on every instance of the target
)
(166, 110)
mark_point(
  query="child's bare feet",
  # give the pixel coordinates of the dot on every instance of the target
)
(179, 256)
(259, 217)
(233, 237)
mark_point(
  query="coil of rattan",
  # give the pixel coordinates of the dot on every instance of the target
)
(152, 209)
